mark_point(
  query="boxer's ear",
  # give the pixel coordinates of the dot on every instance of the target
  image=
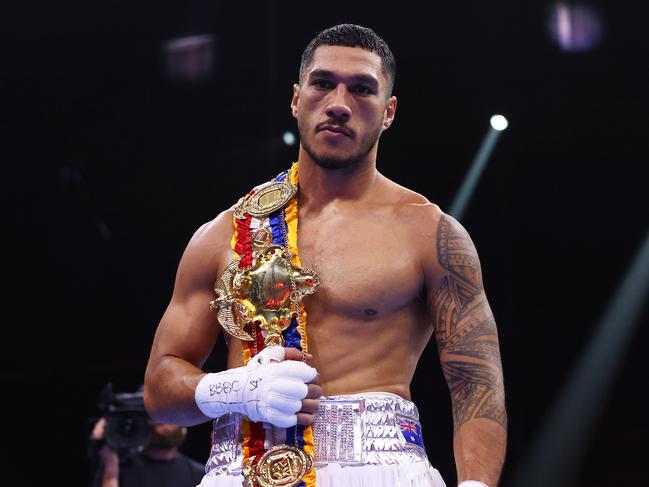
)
(295, 100)
(390, 111)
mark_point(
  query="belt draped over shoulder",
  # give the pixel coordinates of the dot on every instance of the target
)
(282, 226)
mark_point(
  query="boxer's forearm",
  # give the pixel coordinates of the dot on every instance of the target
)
(268, 389)
(474, 375)
(479, 446)
(169, 389)
(479, 417)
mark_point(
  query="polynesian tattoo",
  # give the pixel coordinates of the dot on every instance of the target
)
(465, 330)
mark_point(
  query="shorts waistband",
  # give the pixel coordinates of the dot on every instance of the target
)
(370, 428)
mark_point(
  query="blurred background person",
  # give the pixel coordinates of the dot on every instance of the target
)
(129, 449)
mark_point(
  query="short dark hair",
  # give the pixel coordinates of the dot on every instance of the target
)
(352, 35)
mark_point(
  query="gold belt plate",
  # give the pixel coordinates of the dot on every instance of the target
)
(281, 466)
(267, 199)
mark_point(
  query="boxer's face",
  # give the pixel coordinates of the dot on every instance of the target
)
(341, 105)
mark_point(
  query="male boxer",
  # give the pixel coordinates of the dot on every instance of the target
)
(375, 271)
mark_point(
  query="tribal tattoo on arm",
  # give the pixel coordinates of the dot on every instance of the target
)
(465, 330)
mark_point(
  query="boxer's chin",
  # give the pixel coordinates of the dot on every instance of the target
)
(335, 160)
(332, 161)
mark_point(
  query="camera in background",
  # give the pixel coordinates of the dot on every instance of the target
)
(127, 422)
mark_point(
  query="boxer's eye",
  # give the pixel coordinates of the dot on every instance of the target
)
(323, 84)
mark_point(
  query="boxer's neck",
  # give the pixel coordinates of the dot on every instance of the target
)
(319, 187)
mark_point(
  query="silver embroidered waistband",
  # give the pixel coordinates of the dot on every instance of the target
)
(357, 429)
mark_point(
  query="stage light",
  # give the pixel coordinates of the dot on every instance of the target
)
(499, 123)
(556, 455)
(289, 138)
(465, 193)
(575, 27)
(190, 58)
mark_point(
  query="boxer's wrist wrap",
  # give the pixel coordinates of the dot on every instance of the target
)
(472, 483)
(262, 390)
(220, 393)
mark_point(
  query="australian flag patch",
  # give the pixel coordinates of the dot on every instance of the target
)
(411, 431)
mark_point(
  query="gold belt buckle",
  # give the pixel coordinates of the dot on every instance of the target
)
(281, 466)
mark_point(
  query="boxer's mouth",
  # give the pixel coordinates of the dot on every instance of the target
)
(337, 129)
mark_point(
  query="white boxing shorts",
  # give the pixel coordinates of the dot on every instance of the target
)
(371, 439)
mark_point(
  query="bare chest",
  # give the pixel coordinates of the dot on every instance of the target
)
(365, 265)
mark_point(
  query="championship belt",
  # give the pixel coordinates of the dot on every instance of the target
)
(259, 301)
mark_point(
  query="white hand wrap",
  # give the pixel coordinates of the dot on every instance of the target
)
(262, 390)
(472, 483)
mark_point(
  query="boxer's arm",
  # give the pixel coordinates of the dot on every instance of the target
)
(188, 329)
(467, 341)
(187, 333)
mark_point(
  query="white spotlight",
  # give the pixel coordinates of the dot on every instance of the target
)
(499, 123)
(288, 138)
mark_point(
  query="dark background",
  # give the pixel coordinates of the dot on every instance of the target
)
(109, 167)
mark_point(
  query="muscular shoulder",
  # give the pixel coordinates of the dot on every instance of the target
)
(441, 243)
(414, 211)
(208, 250)
(450, 252)
(215, 233)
